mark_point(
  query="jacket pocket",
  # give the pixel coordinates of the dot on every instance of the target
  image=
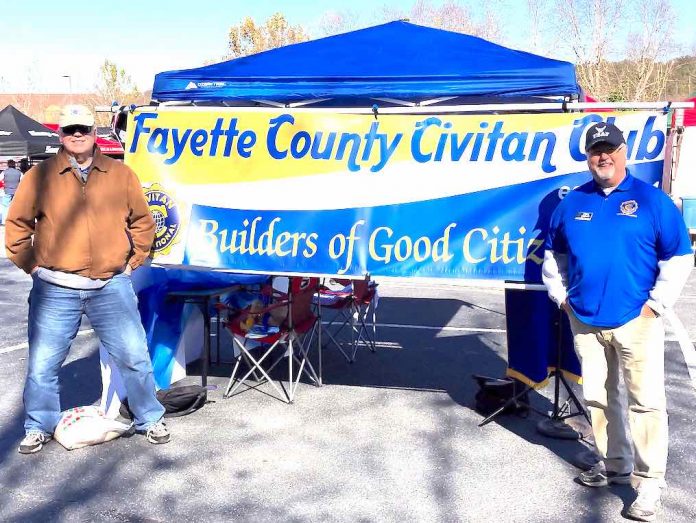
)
(43, 239)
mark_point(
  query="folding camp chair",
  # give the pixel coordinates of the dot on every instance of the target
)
(355, 306)
(284, 326)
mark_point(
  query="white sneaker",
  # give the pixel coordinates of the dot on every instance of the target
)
(648, 502)
(34, 442)
(158, 433)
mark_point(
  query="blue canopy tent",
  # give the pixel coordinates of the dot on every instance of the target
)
(394, 62)
(397, 63)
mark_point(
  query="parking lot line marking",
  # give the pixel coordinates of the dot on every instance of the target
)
(432, 328)
(688, 349)
(12, 348)
(682, 336)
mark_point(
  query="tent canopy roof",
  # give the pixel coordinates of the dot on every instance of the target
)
(24, 136)
(396, 60)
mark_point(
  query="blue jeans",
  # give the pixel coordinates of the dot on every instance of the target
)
(54, 318)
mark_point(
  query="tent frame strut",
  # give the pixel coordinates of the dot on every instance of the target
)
(444, 109)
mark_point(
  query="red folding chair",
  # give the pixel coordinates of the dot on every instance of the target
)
(286, 325)
(355, 312)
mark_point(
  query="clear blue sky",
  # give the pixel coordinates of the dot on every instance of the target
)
(43, 40)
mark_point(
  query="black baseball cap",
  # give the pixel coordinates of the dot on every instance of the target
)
(603, 133)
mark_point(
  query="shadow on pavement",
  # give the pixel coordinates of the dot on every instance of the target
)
(225, 485)
(435, 360)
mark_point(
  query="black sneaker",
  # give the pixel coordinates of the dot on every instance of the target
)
(34, 442)
(158, 433)
(598, 476)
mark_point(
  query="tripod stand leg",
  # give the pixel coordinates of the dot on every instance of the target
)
(572, 397)
(555, 426)
(512, 401)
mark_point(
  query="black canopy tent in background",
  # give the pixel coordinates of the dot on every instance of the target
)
(24, 137)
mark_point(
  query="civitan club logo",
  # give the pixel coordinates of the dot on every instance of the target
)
(166, 214)
(601, 133)
(628, 208)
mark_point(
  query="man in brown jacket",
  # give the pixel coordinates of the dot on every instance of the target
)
(79, 224)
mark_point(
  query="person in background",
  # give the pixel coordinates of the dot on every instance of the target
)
(11, 177)
(79, 224)
(618, 255)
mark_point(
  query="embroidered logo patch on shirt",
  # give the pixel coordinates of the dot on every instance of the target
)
(628, 208)
(583, 216)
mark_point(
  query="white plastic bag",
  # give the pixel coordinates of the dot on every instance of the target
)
(82, 426)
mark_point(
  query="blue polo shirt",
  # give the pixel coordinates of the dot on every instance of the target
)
(613, 243)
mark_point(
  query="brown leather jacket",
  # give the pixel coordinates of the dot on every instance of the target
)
(92, 229)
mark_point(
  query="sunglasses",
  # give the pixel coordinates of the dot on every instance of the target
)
(603, 148)
(72, 129)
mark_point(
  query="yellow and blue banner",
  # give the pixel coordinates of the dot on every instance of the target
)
(293, 191)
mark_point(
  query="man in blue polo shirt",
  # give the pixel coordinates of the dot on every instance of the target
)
(617, 255)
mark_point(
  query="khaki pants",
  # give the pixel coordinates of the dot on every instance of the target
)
(637, 348)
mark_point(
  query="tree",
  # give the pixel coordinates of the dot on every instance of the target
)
(450, 15)
(682, 83)
(115, 85)
(588, 27)
(455, 16)
(612, 64)
(336, 22)
(248, 38)
(648, 49)
(538, 10)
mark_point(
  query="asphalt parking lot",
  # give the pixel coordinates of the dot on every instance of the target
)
(392, 437)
